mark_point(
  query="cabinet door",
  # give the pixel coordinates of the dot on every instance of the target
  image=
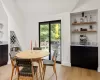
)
(90, 58)
(84, 57)
(4, 51)
(75, 56)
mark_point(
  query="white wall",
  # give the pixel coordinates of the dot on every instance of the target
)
(4, 21)
(33, 28)
(15, 21)
(46, 6)
(84, 5)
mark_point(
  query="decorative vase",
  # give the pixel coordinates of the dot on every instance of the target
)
(91, 18)
(91, 27)
(85, 19)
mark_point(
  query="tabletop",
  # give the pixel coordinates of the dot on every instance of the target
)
(32, 54)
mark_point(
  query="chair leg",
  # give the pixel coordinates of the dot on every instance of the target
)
(44, 68)
(17, 69)
(32, 78)
(12, 73)
(18, 77)
(54, 69)
(36, 75)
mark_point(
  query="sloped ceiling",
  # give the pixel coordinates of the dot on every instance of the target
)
(83, 5)
(46, 6)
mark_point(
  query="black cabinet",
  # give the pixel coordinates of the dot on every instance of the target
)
(75, 56)
(84, 56)
(3, 54)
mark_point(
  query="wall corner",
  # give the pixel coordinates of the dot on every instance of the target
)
(66, 64)
(99, 68)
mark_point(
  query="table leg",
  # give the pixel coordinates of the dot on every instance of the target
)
(40, 69)
(44, 68)
(41, 62)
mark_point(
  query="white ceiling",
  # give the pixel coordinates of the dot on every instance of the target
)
(46, 6)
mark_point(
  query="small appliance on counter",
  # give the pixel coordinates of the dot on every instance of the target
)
(83, 40)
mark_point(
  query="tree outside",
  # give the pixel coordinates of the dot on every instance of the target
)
(55, 32)
(44, 32)
(55, 37)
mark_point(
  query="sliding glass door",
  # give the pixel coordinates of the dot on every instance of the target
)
(50, 37)
(56, 39)
(44, 37)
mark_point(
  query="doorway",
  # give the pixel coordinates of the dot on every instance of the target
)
(50, 38)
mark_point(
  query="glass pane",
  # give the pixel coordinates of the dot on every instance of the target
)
(56, 39)
(44, 38)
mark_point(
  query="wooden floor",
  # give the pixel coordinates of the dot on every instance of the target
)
(64, 73)
(74, 73)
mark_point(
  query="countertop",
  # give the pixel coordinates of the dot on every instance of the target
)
(85, 45)
(3, 43)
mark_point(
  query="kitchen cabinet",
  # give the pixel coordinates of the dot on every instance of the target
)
(3, 54)
(84, 57)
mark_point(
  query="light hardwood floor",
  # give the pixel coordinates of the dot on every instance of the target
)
(64, 73)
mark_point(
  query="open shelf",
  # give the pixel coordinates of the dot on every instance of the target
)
(82, 23)
(82, 31)
(86, 30)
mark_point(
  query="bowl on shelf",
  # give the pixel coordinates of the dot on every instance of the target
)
(1, 25)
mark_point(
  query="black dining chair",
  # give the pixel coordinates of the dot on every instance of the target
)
(51, 63)
(39, 61)
(37, 48)
(26, 69)
(13, 63)
(12, 54)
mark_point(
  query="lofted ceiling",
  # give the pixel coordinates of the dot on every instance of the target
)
(46, 6)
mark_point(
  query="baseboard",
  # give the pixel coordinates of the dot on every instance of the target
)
(66, 64)
(99, 69)
(9, 62)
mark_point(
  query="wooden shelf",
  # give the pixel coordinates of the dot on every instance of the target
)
(82, 31)
(82, 23)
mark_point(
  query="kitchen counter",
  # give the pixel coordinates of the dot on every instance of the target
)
(85, 45)
(3, 43)
(84, 56)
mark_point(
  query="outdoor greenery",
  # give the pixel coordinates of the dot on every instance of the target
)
(44, 32)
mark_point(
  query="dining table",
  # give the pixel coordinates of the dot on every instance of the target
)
(35, 56)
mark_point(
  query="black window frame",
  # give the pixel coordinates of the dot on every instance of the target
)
(50, 22)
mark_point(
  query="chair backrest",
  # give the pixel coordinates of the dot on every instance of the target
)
(26, 67)
(55, 53)
(12, 59)
(23, 62)
(37, 48)
(12, 54)
(54, 57)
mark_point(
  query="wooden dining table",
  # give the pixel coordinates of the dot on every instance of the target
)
(35, 56)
